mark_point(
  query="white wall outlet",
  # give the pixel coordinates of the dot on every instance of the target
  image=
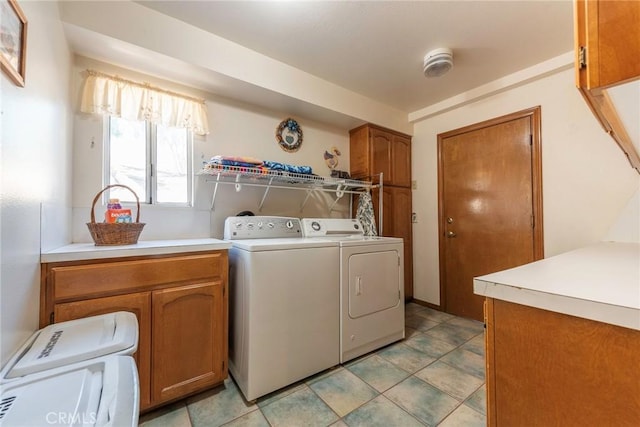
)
(414, 185)
(414, 217)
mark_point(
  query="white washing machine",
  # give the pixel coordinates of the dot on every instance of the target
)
(284, 303)
(78, 372)
(371, 285)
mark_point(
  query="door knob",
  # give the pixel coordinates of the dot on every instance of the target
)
(451, 234)
(449, 220)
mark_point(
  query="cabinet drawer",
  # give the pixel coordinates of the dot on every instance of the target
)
(75, 281)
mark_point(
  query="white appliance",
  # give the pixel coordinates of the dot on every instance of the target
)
(78, 372)
(284, 303)
(371, 284)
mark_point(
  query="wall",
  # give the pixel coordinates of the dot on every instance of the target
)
(586, 179)
(627, 226)
(36, 172)
(236, 129)
(170, 48)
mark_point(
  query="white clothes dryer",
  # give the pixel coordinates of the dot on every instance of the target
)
(371, 285)
(284, 298)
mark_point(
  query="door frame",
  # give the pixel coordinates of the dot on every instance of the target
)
(534, 114)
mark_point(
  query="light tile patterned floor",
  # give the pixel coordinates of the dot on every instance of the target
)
(434, 377)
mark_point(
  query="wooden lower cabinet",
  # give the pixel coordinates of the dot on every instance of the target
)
(551, 369)
(396, 222)
(181, 303)
(189, 341)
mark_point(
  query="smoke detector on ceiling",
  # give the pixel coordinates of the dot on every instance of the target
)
(438, 62)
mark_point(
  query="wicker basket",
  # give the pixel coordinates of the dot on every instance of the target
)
(105, 234)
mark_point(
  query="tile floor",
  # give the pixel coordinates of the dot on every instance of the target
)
(434, 377)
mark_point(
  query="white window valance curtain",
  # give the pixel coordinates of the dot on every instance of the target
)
(115, 96)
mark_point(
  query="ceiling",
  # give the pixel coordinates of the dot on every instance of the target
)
(376, 48)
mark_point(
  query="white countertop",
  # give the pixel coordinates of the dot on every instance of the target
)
(86, 251)
(599, 282)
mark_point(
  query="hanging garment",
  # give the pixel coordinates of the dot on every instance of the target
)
(366, 214)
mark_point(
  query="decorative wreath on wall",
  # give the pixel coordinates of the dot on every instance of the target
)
(289, 135)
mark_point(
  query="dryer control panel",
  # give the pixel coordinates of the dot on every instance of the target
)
(261, 227)
(327, 227)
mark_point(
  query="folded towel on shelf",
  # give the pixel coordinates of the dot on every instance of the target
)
(235, 163)
(277, 166)
(366, 214)
(238, 159)
(255, 165)
(236, 167)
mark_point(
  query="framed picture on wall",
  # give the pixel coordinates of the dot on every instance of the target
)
(13, 41)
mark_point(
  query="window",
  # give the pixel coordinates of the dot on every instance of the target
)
(153, 160)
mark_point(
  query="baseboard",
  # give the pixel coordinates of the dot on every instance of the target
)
(426, 304)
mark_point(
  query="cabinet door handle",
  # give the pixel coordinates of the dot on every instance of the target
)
(451, 234)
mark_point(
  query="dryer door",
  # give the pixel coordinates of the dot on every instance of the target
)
(374, 282)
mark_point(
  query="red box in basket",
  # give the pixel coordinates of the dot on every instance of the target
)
(117, 215)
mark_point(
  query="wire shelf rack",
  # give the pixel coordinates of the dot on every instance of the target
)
(240, 176)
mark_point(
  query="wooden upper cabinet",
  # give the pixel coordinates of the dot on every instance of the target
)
(607, 44)
(401, 160)
(375, 150)
(380, 148)
(359, 153)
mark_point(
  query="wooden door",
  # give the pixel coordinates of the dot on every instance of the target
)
(490, 206)
(189, 339)
(140, 305)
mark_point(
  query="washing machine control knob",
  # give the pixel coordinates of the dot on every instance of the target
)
(259, 224)
(315, 225)
(250, 225)
(289, 224)
(270, 225)
(238, 225)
